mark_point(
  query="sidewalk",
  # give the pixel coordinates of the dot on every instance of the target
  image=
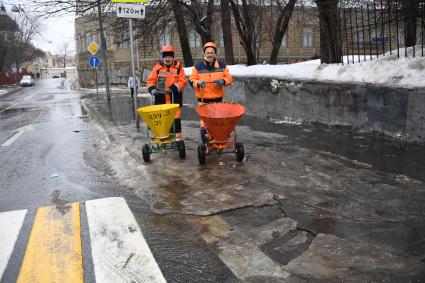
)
(286, 213)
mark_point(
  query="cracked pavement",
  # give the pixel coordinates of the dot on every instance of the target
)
(294, 210)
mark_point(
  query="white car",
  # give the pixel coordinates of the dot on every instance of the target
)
(27, 81)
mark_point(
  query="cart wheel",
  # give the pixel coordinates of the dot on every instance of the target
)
(146, 152)
(182, 150)
(201, 154)
(240, 152)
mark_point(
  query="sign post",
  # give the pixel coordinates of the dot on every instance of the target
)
(131, 11)
(94, 62)
(135, 84)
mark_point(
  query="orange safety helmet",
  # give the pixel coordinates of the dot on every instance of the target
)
(167, 50)
(209, 44)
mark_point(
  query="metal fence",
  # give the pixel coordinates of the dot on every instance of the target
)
(377, 28)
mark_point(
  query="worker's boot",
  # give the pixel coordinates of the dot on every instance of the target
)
(204, 138)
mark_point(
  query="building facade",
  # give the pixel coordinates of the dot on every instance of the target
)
(300, 43)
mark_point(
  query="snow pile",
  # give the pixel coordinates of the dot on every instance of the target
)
(387, 69)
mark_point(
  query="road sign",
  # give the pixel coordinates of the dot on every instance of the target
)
(94, 61)
(14, 68)
(133, 11)
(93, 47)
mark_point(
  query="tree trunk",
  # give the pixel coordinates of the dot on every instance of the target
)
(410, 8)
(281, 28)
(226, 25)
(246, 28)
(181, 28)
(202, 23)
(330, 37)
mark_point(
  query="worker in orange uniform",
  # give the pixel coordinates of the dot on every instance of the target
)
(209, 78)
(168, 76)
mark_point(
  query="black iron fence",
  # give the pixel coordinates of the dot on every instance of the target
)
(382, 27)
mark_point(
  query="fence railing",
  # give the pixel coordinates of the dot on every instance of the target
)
(373, 29)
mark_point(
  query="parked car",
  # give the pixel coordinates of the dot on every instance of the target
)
(27, 81)
(56, 76)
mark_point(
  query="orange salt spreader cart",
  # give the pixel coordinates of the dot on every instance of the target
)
(221, 119)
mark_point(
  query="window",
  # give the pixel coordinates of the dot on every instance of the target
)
(377, 38)
(123, 39)
(284, 40)
(165, 36)
(400, 37)
(419, 35)
(220, 40)
(194, 39)
(88, 40)
(77, 42)
(81, 42)
(358, 38)
(308, 37)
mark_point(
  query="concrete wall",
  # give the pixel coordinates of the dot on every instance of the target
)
(397, 112)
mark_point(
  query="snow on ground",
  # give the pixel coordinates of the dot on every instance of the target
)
(387, 69)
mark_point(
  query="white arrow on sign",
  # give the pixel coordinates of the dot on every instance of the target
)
(19, 132)
(133, 11)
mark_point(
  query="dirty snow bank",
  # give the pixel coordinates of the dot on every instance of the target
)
(387, 69)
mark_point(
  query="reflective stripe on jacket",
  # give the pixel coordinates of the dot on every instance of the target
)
(209, 73)
(173, 74)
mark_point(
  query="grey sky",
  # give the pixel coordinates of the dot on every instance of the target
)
(55, 32)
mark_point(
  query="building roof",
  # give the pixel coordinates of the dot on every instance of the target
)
(7, 23)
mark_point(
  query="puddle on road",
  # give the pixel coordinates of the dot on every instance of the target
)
(384, 153)
(174, 194)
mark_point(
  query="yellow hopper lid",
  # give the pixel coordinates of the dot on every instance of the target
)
(159, 118)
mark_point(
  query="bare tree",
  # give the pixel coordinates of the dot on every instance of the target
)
(200, 13)
(281, 26)
(330, 37)
(247, 15)
(226, 25)
(182, 30)
(16, 36)
(410, 12)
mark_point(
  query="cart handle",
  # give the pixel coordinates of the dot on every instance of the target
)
(200, 90)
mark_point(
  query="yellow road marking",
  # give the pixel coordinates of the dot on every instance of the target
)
(54, 252)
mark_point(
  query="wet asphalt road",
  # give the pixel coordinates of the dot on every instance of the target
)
(56, 162)
(307, 204)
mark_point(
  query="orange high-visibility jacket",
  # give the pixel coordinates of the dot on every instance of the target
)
(210, 73)
(174, 75)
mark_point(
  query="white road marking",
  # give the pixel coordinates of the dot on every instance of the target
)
(19, 131)
(26, 98)
(29, 97)
(10, 225)
(9, 107)
(119, 251)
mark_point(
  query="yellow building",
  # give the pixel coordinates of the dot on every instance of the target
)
(300, 43)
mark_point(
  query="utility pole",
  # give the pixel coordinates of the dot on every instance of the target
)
(103, 46)
(135, 85)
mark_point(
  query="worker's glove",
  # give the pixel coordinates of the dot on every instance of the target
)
(174, 89)
(154, 92)
(201, 84)
(220, 83)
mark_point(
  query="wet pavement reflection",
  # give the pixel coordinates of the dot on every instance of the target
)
(296, 182)
(382, 152)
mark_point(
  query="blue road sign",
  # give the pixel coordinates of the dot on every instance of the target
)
(94, 61)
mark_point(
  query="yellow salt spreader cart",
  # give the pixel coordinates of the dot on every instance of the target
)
(160, 130)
